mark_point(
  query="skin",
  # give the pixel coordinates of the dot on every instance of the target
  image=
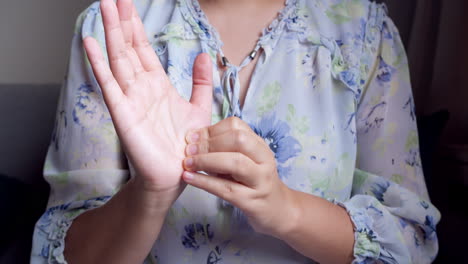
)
(140, 99)
(240, 26)
(313, 226)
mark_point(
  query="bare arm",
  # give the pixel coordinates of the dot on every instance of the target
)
(151, 120)
(121, 231)
(320, 230)
(313, 226)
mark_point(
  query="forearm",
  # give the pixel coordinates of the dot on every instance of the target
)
(121, 231)
(319, 229)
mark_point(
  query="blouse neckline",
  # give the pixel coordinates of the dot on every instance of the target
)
(208, 32)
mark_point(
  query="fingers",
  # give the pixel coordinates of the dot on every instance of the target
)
(225, 189)
(239, 166)
(233, 141)
(126, 9)
(117, 51)
(223, 126)
(202, 91)
(145, 52)
(109, 86)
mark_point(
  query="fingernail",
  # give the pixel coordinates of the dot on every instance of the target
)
(188, 162)
(188, 175)
(192, 149)
(193, 137)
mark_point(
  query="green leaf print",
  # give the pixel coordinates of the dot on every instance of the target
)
(215, 118)
(365, 244)
(397, 178)
(172, 30)
(224, 221)
(345, 11)
(412, 140)
(171, 220)
(269, 99)
(291, 109)
(359, 178)
(73, 213)
(299, 124)
(62, 178)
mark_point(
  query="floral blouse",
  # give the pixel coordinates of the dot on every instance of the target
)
(330, 94)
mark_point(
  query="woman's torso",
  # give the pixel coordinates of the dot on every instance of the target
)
(296, 100)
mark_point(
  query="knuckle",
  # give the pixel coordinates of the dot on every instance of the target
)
(269, 175)
(264, 171)
(205, 133)
(142, 44)
(204, 147)
(235, 122)
(118, 55)
(239, 165)
(229, 188)
(240, 138)
(237, 161)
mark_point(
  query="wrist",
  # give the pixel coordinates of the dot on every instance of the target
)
(150, 202)
(288, 220)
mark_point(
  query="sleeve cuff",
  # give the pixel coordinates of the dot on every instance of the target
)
(52, 227)
(366, 245)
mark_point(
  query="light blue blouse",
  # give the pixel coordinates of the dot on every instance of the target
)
(330, 94)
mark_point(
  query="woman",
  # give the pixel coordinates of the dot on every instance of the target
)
(306, 137)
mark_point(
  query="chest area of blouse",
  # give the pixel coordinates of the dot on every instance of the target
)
(303, 114)
(294, 103)
(239, 27)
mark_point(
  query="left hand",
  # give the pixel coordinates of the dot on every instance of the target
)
(250, 179)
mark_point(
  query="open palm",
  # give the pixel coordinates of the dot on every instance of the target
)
(150, 117)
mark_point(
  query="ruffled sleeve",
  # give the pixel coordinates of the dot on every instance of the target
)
(85, 165)
(393, 218)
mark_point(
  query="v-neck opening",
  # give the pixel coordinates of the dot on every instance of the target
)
(208, 33)
(267, 32)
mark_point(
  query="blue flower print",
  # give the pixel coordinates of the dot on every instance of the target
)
(283, 172)
(362, 31)
(430, 226)
(410, 106)
(45, 250)
(375, 117)
(196, 234)
(275, 133)
(189, 63)
(374, 210)
(349, 78)
(424, 204)
(379, 190)
(214, 256)
(60, 123)
(427, 230)
(309, 73)
(417, 243)
(413, 158)
(386, 256)
(385, 72)
(85, 108)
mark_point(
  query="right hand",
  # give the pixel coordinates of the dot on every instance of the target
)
(150, 117)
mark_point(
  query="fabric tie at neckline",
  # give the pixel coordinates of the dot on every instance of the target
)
(231, 82)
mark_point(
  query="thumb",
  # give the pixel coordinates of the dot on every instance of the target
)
(202, 91)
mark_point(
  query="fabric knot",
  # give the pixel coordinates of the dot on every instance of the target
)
(231, 90)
